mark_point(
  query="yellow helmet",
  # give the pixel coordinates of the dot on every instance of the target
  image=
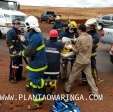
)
(72, 24)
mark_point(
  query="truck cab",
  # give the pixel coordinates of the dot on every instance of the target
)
(48, 16)
(8, 12)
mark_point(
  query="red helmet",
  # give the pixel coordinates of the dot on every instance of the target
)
(53, 33)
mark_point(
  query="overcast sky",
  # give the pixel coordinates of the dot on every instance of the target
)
(68, 3)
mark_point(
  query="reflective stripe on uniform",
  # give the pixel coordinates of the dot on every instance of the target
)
(37, 69)
(40, 47)
(14, 55)
(16, 67)
(23, 54)
(20, 64)
(52, 73)
(11, 46)
(51, 51)
(93, 54)
(36, 86)
(53, 83)
(42, 84)
(37, 49)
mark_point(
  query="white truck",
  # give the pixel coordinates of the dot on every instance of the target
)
(9, 10)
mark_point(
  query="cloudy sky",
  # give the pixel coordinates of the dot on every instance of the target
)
(68, 3)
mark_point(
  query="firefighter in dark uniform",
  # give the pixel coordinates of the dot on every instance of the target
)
(15, 48)
(58, 25)
(53, 49)
(70, 31)
(35, 52)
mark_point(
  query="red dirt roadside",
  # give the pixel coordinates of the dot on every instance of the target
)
(105, 69)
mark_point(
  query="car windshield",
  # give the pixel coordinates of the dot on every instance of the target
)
(8, 5)
(21, 18)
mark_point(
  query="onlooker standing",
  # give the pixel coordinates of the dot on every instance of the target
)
(15, 48)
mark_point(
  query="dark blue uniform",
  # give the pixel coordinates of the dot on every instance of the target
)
(35, 51)
(59, 26)
(53, 49)
(15, 48)
(69, 34)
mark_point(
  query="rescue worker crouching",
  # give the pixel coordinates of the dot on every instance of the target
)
(35, 51)
(15, 48)
(53, 49)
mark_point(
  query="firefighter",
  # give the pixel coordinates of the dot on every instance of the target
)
(83, 49)
(53, 50)
(15, 48)
(70, 34)
(37, 64)
(70, 31)
(58, 24)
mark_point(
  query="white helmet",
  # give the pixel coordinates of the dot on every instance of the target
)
(32, 23)
(92, 21)
(57, 18)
